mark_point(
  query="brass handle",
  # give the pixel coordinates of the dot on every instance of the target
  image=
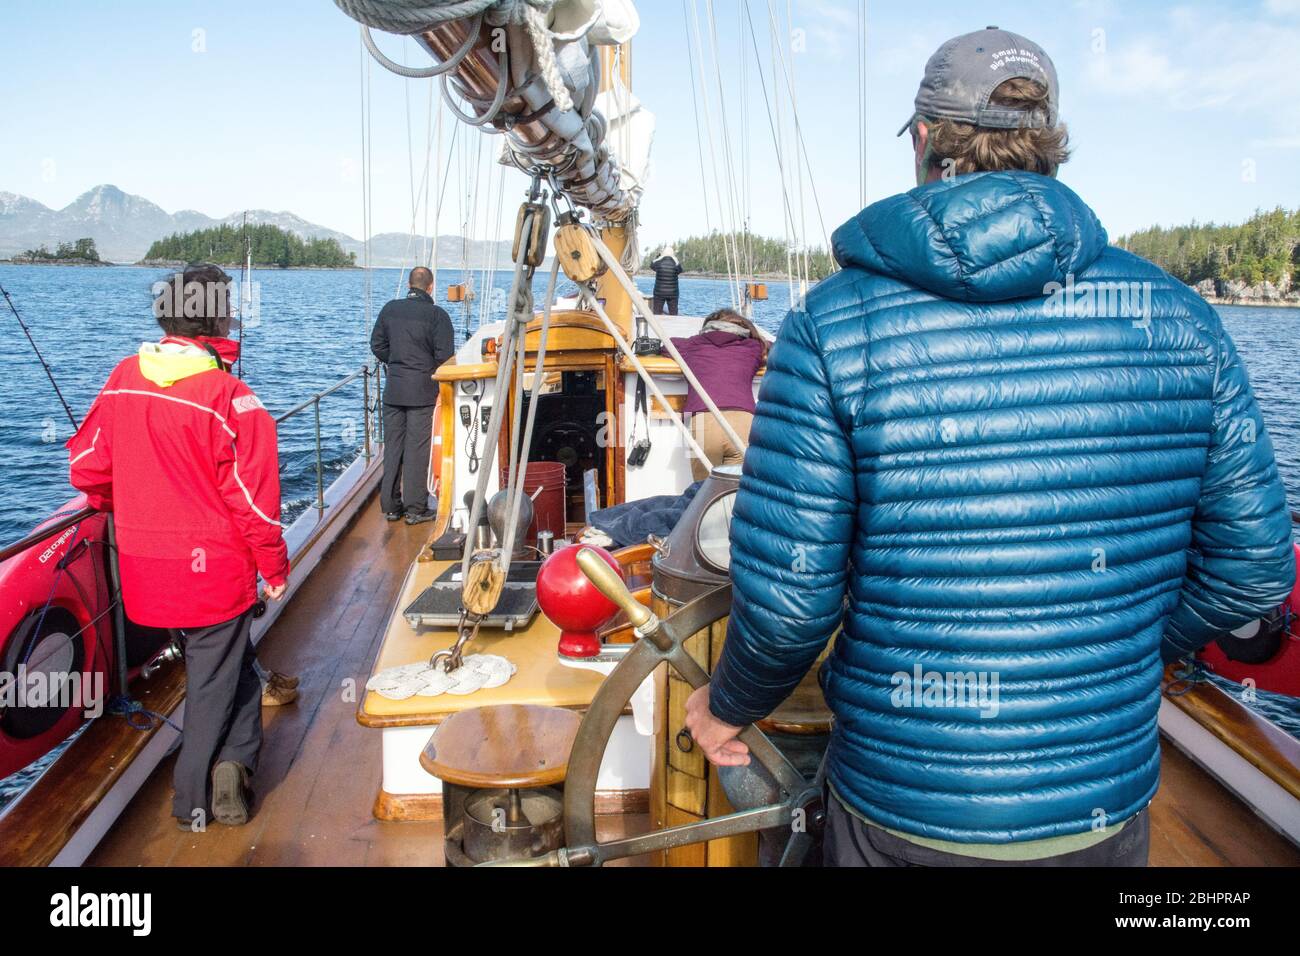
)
(609, 583)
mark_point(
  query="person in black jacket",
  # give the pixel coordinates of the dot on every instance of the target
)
(413, 337)
(667, 290)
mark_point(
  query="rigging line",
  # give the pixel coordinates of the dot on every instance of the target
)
(862, 103)
(488, 230)
(803, 149)
(410, 169)
(802, 255)
(416, 194)
(432, 262)
(790, 239)
(771, 123)
(365, 174)
(428, 189)
(695, 110)
(489, 291)
(726, 230)
(727, 154)
(49, 372)
(727, 227)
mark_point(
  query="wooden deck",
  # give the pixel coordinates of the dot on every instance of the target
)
(320, 769)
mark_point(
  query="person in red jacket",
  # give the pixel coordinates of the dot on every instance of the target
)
(184, 455)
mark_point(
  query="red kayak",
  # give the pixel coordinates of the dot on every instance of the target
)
(57, 653)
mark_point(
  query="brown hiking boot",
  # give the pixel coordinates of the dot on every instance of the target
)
(277, 692)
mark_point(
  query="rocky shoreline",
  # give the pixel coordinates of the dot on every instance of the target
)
(1236, 292)
(21, 261)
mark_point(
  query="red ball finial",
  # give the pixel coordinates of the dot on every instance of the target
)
(572, 603)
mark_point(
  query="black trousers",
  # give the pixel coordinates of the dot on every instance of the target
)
(850, 841)
(664, 305)
(223, 711)
(408, 438)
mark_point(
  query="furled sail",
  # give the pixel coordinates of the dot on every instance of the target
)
(529, 69)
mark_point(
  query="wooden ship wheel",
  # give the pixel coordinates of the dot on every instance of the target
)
(770, 794)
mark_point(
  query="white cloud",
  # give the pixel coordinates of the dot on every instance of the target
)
(1205, 63)
(1138, 68)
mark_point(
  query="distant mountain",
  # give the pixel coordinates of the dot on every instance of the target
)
(124, 226)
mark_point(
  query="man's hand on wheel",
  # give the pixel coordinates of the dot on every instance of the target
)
(277, 591)
(715, 738)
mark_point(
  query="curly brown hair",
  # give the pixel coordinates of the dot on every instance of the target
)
(963, 148)
(193, 302)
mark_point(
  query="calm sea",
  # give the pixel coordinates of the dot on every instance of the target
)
(312, 330)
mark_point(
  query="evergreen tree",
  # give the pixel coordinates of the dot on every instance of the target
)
(1265, 247)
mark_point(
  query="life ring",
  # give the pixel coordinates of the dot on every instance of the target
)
(435, 453)
(55, 640)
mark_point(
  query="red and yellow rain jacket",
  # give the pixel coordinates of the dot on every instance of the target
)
(184, 455)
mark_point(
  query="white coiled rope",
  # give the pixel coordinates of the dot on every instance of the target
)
(414, 16)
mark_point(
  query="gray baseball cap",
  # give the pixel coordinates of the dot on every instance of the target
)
(963, 73)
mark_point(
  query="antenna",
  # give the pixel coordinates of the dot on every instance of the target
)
(49, 372)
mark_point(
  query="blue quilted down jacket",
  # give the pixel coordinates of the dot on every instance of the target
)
(1020, 467)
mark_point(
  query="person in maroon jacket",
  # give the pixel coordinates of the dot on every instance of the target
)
(184, 455)
(725, 356)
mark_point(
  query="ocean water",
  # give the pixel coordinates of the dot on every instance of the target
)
(312, 330)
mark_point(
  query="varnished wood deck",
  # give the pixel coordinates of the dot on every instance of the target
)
(320, 769)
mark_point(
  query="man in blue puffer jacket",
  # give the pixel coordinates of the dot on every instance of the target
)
(1023, 469)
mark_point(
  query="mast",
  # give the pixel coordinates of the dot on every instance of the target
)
(616, 68)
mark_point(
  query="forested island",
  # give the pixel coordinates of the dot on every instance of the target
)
(1257, 261)
(759, 256)
(272, 247)
(79, 253)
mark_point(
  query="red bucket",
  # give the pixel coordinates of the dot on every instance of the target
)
(549, 506)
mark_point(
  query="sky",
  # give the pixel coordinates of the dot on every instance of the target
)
(1177, 111)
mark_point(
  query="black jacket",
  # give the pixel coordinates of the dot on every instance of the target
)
(666, 272)
(413, 337)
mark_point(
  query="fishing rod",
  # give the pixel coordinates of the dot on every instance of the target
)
(49, 372)
(245, 293)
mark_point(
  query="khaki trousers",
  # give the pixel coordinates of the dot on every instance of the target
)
(715, 442)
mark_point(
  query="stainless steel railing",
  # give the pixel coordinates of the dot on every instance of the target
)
(371, 419)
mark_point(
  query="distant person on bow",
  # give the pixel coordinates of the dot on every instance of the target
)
(1024, 470)
(413, 337)
(667, 288)
(184, 455)
(725, 356)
